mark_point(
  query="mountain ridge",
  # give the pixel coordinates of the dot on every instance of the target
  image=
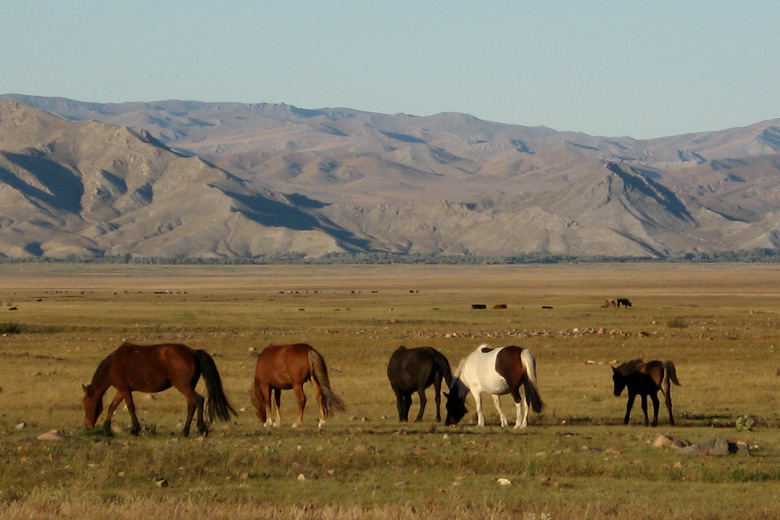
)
(95, 179)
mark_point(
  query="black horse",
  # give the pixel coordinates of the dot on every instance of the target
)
(414, 370)
(646, 379)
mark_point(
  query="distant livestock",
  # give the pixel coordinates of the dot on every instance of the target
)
(609, 304)
(624, 302)
(477, 306)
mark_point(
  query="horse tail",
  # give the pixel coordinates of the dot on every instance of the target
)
(319, 372)
(217, 405)
(444, 367)
(531, 387)
(670, 373)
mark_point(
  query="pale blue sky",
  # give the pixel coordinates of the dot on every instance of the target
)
(604, 67)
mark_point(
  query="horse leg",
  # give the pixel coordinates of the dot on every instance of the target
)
(267, 394)
(301, 395)
(629, 405)
(320, 401)
(656, 404)
(668, 402)
(497, 404)
(666, 388)
(400, 401)
(277, 395)
(133, 417)
(478, 401)
(194, 402)
(423, 402)
(111, 408)
(521, 409)
(437, 396)
(644, 409)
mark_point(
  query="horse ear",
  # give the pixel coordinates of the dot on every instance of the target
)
(84, 387)
(446, 394)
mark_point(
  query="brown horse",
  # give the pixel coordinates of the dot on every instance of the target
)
(285, 367)
(151, 369)
(646, 379)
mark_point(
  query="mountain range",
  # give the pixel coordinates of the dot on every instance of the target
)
(232, 180)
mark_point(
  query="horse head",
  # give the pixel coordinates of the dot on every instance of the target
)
(93, 406)
(619, 380)
(456, 408)
(456, 401)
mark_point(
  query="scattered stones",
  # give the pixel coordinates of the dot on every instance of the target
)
(669, 441)
(714, 447)
(504, 482)
(51, 436)
(21, 426)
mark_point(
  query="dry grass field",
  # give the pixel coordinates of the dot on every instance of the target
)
(718, 323)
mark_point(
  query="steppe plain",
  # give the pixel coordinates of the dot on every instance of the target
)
(717, 322)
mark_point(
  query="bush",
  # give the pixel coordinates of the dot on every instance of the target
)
(11, 328)
(677, 323)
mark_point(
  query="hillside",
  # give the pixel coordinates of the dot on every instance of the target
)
(228, 180)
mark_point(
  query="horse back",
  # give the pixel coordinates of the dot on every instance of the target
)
(281, 366)
(410, 368)
(654, 370)
(509, 364)
(152, 368)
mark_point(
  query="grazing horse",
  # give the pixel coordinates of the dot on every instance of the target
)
(625, 302)
(497, 372)
(414, 370)
(151, 369)
(285, 367)
(646, 379)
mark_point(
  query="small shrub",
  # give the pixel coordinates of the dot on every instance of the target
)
(745, 423)
(677, 323)
(11, 328)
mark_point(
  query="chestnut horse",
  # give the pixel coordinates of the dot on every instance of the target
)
(497, 372)
(646, 379)
(151, 369)
(414, 370)
(285, 367)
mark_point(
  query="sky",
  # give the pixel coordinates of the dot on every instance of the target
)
(643, 69)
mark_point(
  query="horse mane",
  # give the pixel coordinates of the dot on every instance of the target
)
(459, 370)
(485, 348)
(101, 369)
(629, 367)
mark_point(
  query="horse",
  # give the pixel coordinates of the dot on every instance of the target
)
(646, 379)
(497, 372)
(414, 370)
(152, 369)
(285, 367)
(625, 302)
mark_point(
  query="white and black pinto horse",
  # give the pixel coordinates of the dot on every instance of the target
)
(496, 371)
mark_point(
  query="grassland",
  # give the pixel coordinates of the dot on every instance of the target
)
(718, 323)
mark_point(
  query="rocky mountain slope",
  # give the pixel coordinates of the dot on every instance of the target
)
(230, 180)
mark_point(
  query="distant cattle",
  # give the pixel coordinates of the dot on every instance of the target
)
(609, 304)
(499, 306)
(624, 302)
(478, 306)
